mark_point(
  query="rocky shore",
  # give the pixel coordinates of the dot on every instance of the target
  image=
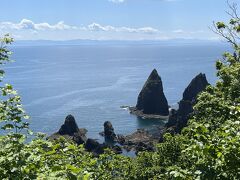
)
(151, 104)
(139, 113)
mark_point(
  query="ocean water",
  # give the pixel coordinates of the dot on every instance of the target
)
(91, 82)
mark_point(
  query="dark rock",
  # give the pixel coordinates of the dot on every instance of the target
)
(70, 131)
(69, 127)
(173, 117)
(139, 113)
(109, 131)
(179, 119)
(121, 139)
(117, 149)
(144, 147)
(161, 138)
(184, 112)
(139, 141)
(141, 135)
(79, 138)
(185, 108)
(151, 99)
(197, 85)
(93, 146)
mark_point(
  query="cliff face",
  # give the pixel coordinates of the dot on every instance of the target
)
(151, 99)
(179, 119)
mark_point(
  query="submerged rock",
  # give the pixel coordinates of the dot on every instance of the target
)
(70, 131)
(179, 119)
(151, 100)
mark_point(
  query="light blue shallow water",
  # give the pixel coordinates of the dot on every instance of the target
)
(92, 82)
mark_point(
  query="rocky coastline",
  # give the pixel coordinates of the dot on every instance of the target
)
(141, 114)
(151, 104)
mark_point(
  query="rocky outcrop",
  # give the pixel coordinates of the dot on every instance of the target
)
(69, 127)
(70, 131)
(141, 140)
(151, 100)
(178, 119)
(109, 133)
(94, 146)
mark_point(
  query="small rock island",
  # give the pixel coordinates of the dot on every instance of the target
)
(70, 131)
(152, 102)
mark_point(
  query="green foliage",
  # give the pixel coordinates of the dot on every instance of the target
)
(221, 25)
(209, 148)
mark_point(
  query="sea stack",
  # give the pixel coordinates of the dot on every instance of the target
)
(109, 131)
(151, 99)
(69, 127)
(70, 131)
(178, 119)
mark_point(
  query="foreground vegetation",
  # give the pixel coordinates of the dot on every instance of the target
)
(209, 148)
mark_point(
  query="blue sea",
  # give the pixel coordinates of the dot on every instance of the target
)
(91, 82)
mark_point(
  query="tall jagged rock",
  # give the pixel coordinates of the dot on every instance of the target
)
(151, 99)
(179, 119)
(197, 85)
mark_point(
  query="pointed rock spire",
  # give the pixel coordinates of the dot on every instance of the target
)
(151, 99)
(198, 84)
(180, 118)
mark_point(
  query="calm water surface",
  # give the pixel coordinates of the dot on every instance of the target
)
(92, 82)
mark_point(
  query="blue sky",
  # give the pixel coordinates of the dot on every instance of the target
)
(110, 19)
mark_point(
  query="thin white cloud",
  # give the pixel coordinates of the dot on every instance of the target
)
(27, 29)
(26, 24)
(98, 27)
(108, 28)
(30, 25)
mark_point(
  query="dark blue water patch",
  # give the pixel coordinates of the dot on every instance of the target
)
(92, 82)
